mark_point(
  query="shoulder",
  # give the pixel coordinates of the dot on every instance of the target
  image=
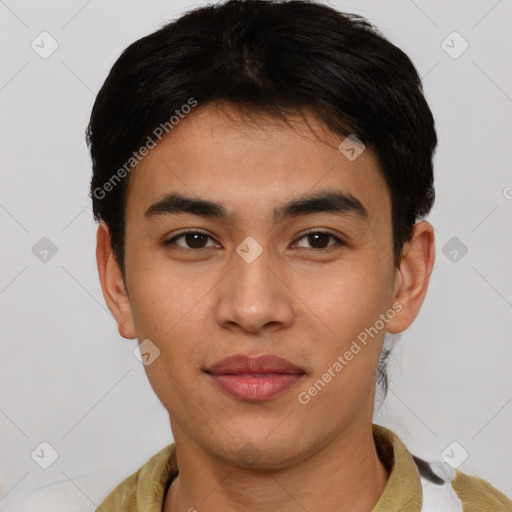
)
(477, 494)
(146, 487)
(448, 489)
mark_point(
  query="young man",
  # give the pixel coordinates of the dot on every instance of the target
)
(260, 169)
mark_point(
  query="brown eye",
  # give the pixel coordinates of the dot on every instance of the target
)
(191, 239)
(320, 240)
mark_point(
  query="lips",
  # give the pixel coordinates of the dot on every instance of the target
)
(254, 378)
(240, 364)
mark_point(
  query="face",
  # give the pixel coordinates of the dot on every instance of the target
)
(265, 270)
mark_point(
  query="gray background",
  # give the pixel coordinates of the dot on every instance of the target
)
(68, 378)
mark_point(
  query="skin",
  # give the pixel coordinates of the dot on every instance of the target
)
(297, 301)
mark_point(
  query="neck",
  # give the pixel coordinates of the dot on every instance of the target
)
(342, 476)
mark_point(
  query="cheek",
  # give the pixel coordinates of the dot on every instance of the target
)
(169, 308)
(181, 344)
(347, 344)
(349, 296)
(344, 321)
(165, 295)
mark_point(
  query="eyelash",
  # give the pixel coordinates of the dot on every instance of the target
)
(338, 241)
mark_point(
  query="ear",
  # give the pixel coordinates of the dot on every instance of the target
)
(112, 283)
(413, 276)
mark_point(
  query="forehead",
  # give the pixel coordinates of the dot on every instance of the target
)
(249, 163)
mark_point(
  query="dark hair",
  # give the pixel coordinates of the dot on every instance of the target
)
(267, 57)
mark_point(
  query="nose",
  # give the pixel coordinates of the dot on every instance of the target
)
(254, 294)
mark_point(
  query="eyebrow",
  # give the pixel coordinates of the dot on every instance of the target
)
(329, 201)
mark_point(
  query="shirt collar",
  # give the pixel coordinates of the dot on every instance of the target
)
(403, 492)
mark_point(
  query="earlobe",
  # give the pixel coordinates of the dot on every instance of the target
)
(112, 283)
(413, 276)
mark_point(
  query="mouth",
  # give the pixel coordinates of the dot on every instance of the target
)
(254, 378)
